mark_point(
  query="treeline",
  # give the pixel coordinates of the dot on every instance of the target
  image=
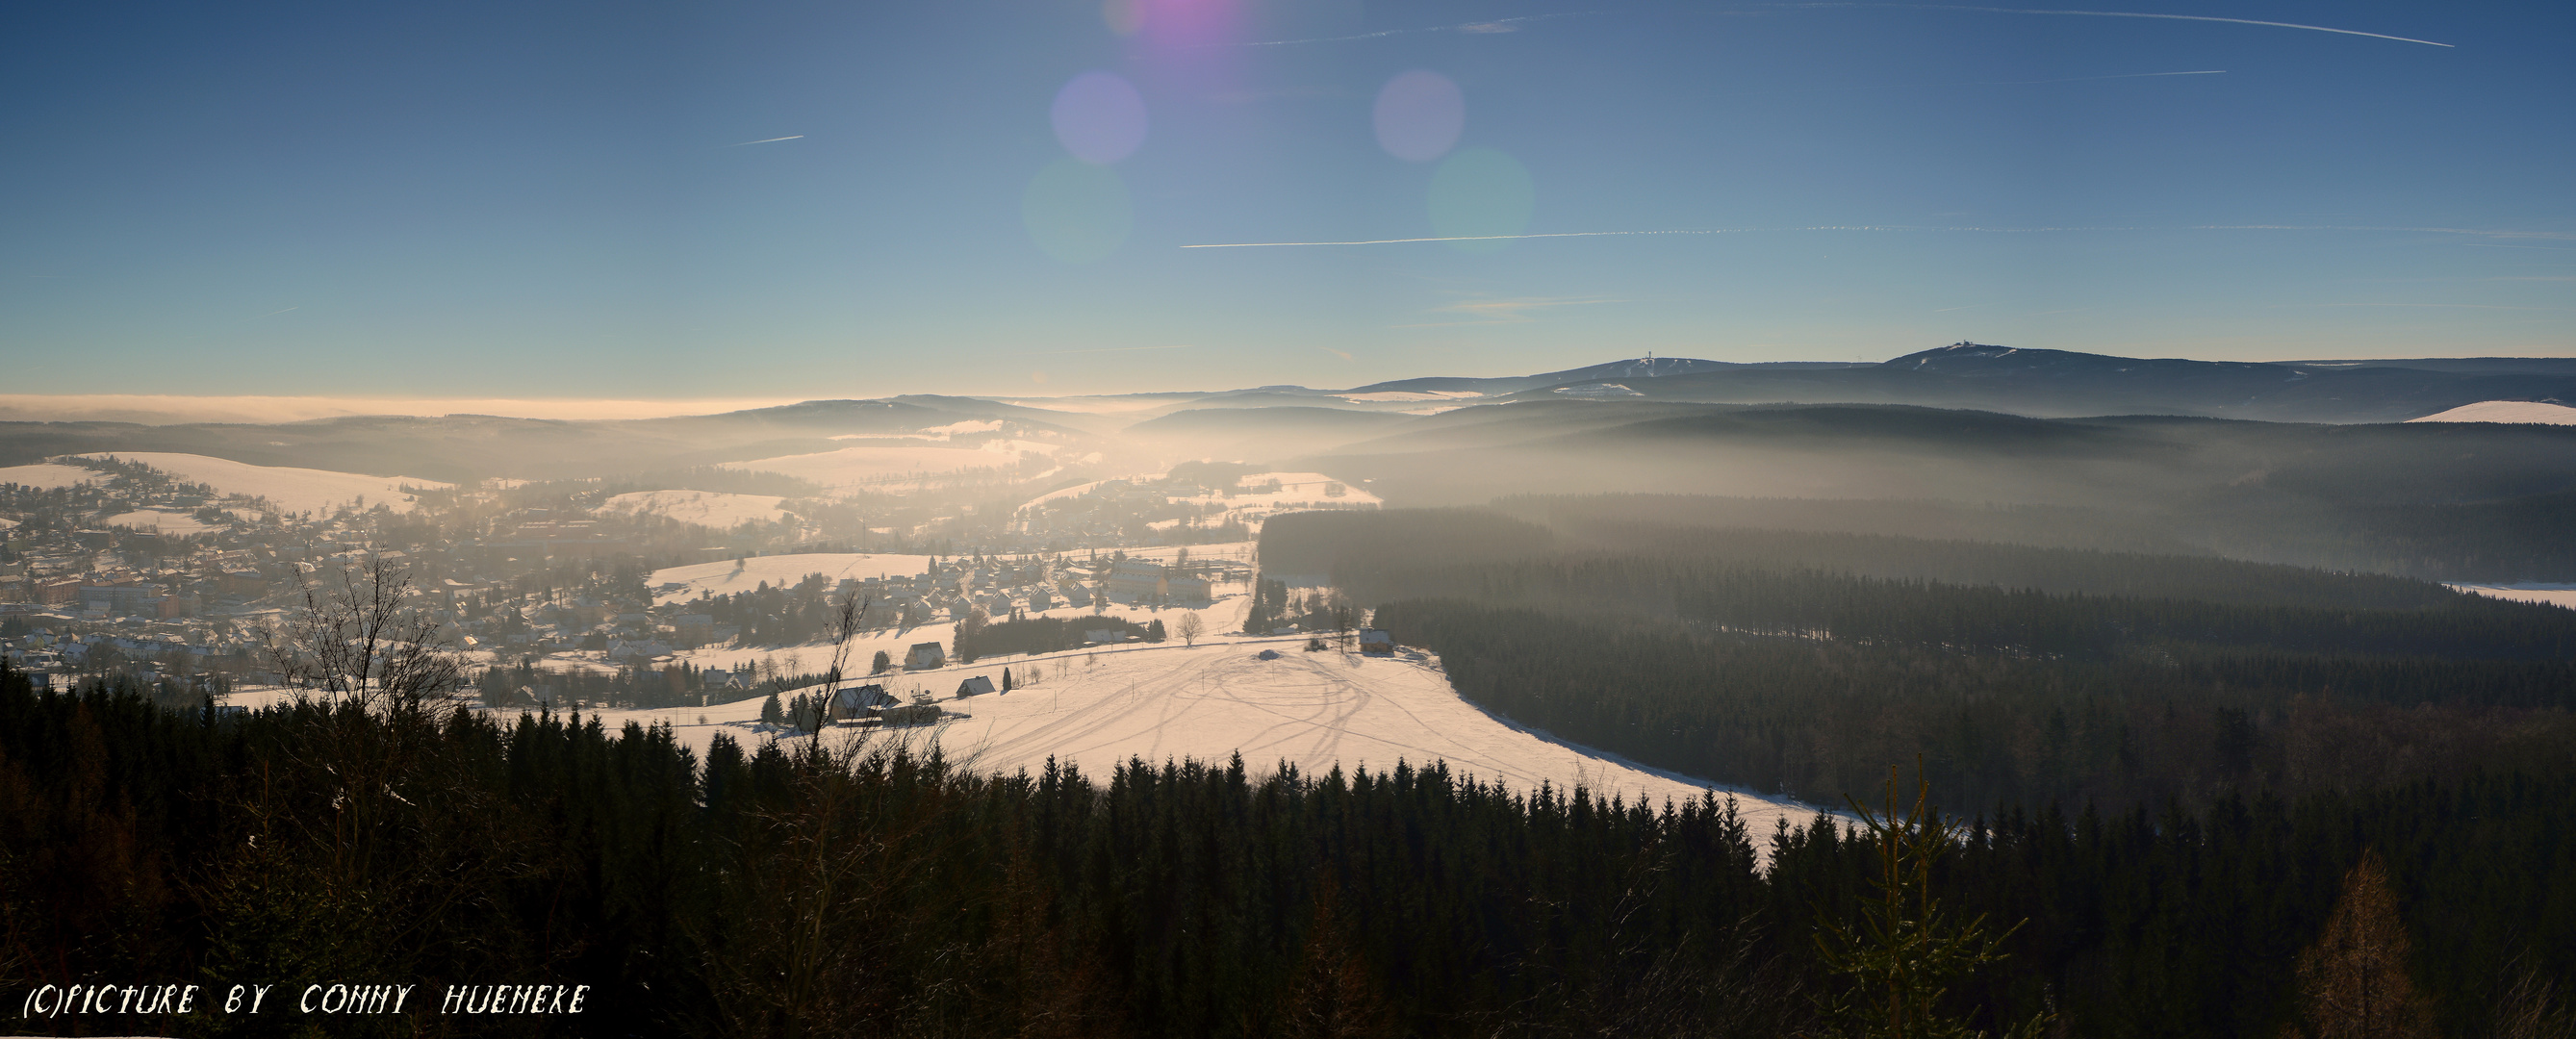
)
(2048, 526)
(1367, 553)
(673, 685)
(1818, 718)
(2518, 537)
(1042, 634)
(1799, 662)
(801, 888)
(1732, 597)
(1320, 544)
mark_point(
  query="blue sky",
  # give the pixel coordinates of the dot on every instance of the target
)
(560, 200)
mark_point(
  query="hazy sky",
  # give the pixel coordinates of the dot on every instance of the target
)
(625, 200)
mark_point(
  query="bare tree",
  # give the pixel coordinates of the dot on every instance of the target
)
(358, 637)
(1189, 627)
(849, 617)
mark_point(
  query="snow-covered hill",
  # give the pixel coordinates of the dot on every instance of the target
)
(704, 508)
(2551, 594)
(2507, 411)
(167, 521)
(288, 488)
(724, 578)
(49, 475)
(1099, 708)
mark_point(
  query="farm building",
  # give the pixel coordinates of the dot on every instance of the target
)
(860, 701)
(924, 656)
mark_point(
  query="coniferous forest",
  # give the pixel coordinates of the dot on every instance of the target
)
(818, 889)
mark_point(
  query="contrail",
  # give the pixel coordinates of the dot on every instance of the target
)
(766, 140)
(2552, 236)
(1458, 238)
(2448, 306)
(2088, 79)
(2543, 235)
(2141, 14)
(1496, 25)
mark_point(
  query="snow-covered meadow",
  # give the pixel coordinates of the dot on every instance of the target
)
(2507, 411)
(2551, 594)
(704, 508)
(726, 577)
(286, 487)
(167, 521)
(49, 475)
(1102, 707)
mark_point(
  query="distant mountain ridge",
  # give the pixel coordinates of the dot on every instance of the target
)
(1634, 368)
(2065, 383)
(2033, 382)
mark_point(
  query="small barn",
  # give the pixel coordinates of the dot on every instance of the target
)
(1376, 643)
(923, 656)
(976, 686)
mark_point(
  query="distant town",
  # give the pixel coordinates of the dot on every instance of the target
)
(564, 593)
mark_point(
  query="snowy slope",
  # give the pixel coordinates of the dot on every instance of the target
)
(49, 475)
(870, 463)
(291, 489)
(704, 508)
(1313, 710)
(167, 521)
(2507, 411)
(721, 578)
(2552, 594)
(1295, 490)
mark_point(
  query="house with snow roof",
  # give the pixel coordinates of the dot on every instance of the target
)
(861, 701)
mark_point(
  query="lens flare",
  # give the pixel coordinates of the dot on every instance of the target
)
(1480, 192)
(1099, 117)
(1419, 116)
(1123, 16)
(1177, 26)
(1077, 212)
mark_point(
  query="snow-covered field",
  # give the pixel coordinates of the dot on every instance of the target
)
(1099, 708)
(721, 578)
(704, 508)
(1226, 614)
(49, 475)
(860, 465)
(2507, 411)
(165, 520)
(290, 489)
(2552, 594)
(1294, 489)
